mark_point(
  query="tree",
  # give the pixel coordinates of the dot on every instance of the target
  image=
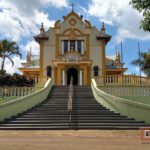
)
(15, 80)
(7, 50)
(144, 7)
(143, 62)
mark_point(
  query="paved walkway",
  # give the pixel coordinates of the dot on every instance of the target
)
(71, 140)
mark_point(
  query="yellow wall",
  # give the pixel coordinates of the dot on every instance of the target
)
(103, 60)
(41, 57)
(50, 50)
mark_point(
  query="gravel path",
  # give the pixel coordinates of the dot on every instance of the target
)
(71, 140)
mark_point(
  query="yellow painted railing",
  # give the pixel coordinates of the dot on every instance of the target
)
(122, 80)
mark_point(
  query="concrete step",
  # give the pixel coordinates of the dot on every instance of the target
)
(79, 124)
(31, 115)
(68, 127)
(53, 113)
(74, 118)
(79, 121)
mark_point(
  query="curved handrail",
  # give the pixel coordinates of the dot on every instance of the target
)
(70, 99)
(136, 110)
(14, 107)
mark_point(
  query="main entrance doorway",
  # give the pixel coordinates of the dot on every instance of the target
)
(74, 73)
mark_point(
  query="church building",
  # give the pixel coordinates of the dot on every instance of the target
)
(73, 47)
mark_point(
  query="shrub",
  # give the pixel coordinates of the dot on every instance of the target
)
(15, 80)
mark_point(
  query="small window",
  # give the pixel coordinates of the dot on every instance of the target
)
(49, 71)
(72, 45)
(95, 71)
(79, 46)
(65, 45)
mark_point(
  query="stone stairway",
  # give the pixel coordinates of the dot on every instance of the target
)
(87, 113)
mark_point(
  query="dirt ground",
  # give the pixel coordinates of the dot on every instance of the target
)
(72, 140)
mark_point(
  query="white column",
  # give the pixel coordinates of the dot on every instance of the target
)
(80, 77)
(52, 73)
(68, 46)
(82, 48)
(63, 77)
(76, 46)
(62, 47)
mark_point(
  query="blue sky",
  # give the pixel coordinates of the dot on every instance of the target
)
(20, 20)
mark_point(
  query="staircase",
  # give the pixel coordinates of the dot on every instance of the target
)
(87, 113)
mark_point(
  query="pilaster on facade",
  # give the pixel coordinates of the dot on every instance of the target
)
(103, 60)
(41, 58)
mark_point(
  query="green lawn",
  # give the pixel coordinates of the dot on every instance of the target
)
(141, 99)
(6, 99)
(2, 100)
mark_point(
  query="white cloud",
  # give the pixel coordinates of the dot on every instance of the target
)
(137, 69)
(143, 74)
(56, 3)
(14, 26)
(121, 14)
(17, 64)
(111, 57)
(41, 17)
(34, 47)
(17, 61)
(20, 19)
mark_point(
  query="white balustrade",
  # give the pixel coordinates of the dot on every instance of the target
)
(6, 91)
(126, 90)
(122, 80)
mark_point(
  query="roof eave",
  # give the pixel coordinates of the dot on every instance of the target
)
(116, 69)
(38, 38)
(104, 37)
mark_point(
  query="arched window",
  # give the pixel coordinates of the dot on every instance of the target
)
(49, 71)
(95, 68)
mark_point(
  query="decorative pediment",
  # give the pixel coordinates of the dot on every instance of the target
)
(72, 32)
(72, 21)
(72, 56)
(72, 14)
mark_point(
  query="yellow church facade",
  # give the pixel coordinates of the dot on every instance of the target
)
(73, 47)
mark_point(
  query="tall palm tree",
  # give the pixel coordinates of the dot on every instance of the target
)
(143, 62)
(7, 50)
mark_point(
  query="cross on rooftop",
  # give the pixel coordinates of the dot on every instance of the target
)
(72, 5)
